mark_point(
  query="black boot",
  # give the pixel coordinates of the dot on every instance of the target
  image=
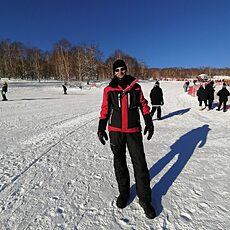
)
(148, 209)
(122, 201)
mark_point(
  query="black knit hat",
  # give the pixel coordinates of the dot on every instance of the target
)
(119, 63)
(157, 83)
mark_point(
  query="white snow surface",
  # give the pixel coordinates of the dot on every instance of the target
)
(55, 174)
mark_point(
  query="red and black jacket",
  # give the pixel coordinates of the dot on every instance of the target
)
(121, 105)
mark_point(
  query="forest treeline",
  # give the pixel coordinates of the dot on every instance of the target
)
(82, 62)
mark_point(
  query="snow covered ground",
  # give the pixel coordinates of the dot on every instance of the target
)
(55, 174)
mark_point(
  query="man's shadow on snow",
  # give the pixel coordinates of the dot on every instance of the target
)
(215, 105)
(176, 113)
(183, 148)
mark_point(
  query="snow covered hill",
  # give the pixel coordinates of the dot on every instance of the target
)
(55, 174)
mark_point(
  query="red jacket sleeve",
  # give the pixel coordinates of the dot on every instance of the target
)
(105, 105)
(145, 109)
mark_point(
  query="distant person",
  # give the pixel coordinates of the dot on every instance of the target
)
(64, 89)
(157, 100)
(223, 98)
(4, 91)
(123, 99)
(202, 97)
(209, 88)
(185, 86)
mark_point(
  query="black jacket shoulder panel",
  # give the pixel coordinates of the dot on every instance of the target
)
(114, 82)
(127, 80)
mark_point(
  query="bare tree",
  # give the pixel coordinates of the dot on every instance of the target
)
(34, 60)
(135, 67)
(81, 62)
(61, 59)
(85, 62)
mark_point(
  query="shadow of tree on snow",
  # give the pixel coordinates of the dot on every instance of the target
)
(183, 148)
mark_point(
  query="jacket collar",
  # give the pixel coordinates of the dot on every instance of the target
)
(129, 81)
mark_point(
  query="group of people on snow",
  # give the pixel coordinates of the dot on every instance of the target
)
(205, 96)
(5, 89)
(122, 102)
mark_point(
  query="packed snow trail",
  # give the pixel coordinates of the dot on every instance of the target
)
(48, 141)
(55, 174)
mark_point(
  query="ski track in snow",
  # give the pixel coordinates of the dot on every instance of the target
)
(54, 173)
(50, 139)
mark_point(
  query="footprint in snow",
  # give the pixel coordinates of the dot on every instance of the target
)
(186, 216)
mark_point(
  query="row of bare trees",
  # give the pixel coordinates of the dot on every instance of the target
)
(187, 72)
(68, 62)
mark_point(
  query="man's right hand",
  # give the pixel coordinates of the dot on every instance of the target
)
(102, 135)
(150, 130)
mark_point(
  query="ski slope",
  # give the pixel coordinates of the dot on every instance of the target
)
(55, 174)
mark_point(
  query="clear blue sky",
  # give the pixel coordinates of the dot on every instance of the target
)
(162, 33)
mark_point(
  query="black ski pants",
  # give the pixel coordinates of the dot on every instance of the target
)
(4, 96)
(200, 102)
(224, 105)
(210, 102)
(118, 143)
(158, 109)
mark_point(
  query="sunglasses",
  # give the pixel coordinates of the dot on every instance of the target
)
(120, 69)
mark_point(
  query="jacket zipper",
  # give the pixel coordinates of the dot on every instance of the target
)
(128, 99)
(119, 100)
(110, 118)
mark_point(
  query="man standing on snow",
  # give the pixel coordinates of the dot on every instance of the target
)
(156, 96)
(223, 98)
(210, 93)
(64, 88)
(4, 90)
(202, 97)
(122, 100)
(185, 86)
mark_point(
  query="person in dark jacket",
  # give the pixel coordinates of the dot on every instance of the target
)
(157, 100)
(185, 86)
(64, 88)
(202, 97)
(122, 101)
(210, 94)
(223, 98)
(4, 91)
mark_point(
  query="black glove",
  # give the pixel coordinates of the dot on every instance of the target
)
(101, 131)
(148, 126)
(150, 130)
(102, 135)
